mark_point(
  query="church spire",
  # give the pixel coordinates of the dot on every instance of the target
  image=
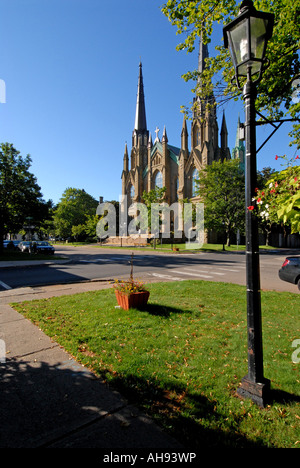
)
(165, 138)
(125, 159)
(238, 133)
(203, 54)
(202, 98)
(184, 136)
(140, 124)
(224, 132)
(239, 151)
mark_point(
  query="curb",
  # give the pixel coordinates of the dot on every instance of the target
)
(25, 263)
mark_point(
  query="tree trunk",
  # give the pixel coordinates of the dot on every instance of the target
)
(1, 234)
(228, 240)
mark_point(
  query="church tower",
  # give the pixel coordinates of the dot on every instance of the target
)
(161, 164)
(204, 135)
(205, 127)
(238, 151)
(132, 179)
(224, 150)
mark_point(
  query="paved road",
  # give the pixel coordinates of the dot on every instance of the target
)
(90, 263)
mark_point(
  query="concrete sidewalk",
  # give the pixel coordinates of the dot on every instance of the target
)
(23, 263)
(48, 400)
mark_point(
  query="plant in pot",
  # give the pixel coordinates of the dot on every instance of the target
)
(131, 293)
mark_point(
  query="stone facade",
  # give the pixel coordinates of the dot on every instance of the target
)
(161, 164)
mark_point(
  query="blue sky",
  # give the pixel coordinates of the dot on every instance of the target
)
(71, 71)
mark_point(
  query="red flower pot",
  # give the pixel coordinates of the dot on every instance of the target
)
(137, 300)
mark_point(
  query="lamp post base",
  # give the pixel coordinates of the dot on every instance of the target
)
(258, 392)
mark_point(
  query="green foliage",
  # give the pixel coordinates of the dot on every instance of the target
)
(20, 195)
(194, 19)
(91, 225)
(154, 196)
(74, 206)
(222, 190)
(78, 231)
(279, 200)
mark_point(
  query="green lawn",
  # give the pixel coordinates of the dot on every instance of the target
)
(181, 359)
(207, 247)
(167, 247)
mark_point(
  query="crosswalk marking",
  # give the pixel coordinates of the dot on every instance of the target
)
(201, 275)
(167, 276)
(4, 285)
(228, 269)
(96, 260)
(114, 259)
(207, 273)
(200, 271)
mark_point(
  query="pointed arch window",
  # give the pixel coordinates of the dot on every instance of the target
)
(132, 192)
(176, 188)
(158, 182)
(197, 138)
(195, 177)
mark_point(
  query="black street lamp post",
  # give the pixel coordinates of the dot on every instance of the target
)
(247, 37)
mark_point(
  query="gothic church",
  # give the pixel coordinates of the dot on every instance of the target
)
(161, 164)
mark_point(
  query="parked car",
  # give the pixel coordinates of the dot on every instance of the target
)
(36, 247)
(11, 244)
(24, 246)
(44, 247)
(290, 270)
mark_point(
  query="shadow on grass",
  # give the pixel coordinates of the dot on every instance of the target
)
(163, 310)
(11, 255)
(185, 416)
(280, 396)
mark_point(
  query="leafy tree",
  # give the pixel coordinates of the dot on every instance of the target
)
(74, 206)
(278, 202)
(78, 232)
(154, 196)
(20, 195)
(264, 175)
(90, 226)
(116, 205)
(46, 227)
(106, 221)
(277, 90)
(222, 190)
(264, 222)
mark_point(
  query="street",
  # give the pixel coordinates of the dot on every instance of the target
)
(92, 264)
